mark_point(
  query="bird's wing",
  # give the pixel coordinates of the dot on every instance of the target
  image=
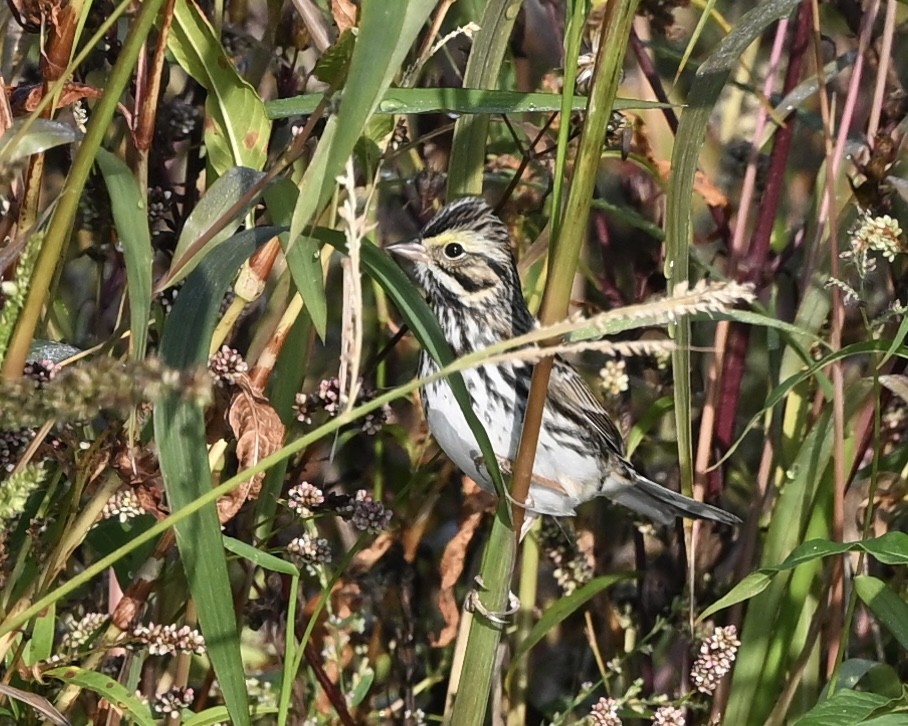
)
(568, 387)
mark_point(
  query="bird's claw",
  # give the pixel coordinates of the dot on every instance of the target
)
(474, 605)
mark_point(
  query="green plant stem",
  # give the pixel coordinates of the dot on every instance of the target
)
(464, 177)
(68, 203)
(615, 30)
(529, 571)
(470, 706)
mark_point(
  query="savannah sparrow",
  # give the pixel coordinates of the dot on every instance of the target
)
(464, 262)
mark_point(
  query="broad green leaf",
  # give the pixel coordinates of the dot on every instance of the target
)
(238, 130)
(120, 698)
(40, 646)
(885, 603)
(222, 197)
(331, 68)
(780, 393)
(753, 584)
(130, 215)
(111, 534)
(890, 549)
(180, 434)
(845, 708)
(851, 672)
(560, 610)
(361, 689)
(897, 341)
(452, 100)
(32, 136)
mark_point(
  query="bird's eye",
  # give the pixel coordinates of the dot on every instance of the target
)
(453, 250)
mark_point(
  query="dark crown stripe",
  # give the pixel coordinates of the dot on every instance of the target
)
(467, 213)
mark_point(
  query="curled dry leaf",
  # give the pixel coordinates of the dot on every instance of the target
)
(25, 98)
(259, 433)
(344, 13)
(476, 503)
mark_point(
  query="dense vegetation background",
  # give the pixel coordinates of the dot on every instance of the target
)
(219, 502)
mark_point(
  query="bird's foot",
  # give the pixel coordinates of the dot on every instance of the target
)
(474, 605)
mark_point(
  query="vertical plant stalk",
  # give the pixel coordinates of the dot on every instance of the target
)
(748, 187)
(61, 223)
(53, 65)
(474, 681)
(529, 567)
(615, 30)
(473, 695)
(837, 586)
(147, 94)
(754, 261)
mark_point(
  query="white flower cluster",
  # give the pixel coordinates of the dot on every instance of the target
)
(613, 378)
(717, 653)
(874, 234)
(169, 639)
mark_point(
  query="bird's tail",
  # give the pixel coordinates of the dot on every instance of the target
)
(663, 505)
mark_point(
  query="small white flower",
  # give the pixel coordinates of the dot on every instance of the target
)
(613, 378)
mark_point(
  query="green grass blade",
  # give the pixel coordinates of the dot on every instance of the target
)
(30, 136)
(261, 559)
(130, 215)
(483, 68)
(846, 708)
(890, 549)
(219, 715)
(562, 609)
(302, 256)
(453, 100)
(712, 77)
(180, 433)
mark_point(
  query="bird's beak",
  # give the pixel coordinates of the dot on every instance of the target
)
(412, 250)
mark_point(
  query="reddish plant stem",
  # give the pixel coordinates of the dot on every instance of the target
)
(754, 262)
(652, 76)
(334, 695)
(149, 91)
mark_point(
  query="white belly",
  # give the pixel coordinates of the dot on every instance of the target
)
(562, 478)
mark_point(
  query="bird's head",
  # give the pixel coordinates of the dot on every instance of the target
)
(463, 256)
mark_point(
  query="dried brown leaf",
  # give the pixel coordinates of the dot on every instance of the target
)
(344, 13)
(711, 194)
(476, 503)
(26, 98)
(259, 433)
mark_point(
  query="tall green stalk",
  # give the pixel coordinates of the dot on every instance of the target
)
(464, 177)
(497, 566)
